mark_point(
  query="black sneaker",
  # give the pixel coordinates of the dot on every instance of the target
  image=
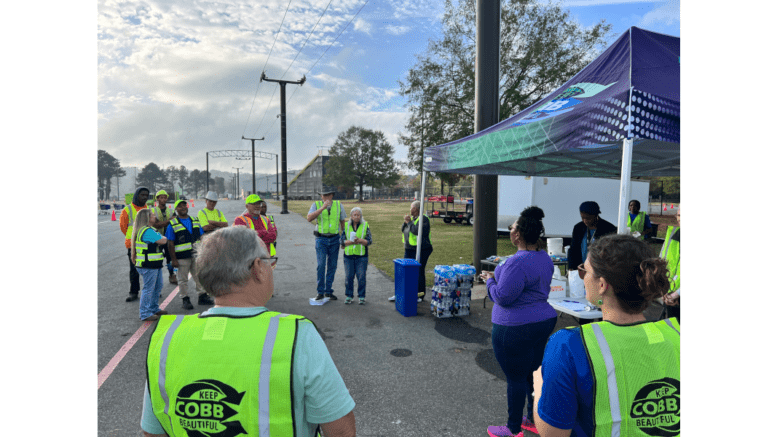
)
(131, 298)
(187, 303)
(320, 297)
(331, 296)
(204, 299)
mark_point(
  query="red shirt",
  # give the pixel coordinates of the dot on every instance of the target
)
(266, 231)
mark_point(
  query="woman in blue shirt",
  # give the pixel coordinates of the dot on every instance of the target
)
(621, 276)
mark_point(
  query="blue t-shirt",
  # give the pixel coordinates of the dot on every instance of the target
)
(150, 236)
(567, 384)
(186, 222)
(320, 393)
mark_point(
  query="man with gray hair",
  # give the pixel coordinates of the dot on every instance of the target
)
(410, 240)
(239, 368)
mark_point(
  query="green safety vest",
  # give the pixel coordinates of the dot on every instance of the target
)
(148, 255)
(361, 232)
(183, 239)
(250, 223)
(413, 239)
(638, 225)
(329, 222)
(636, 372)
(224, 376)
(670, 251)
(157, 211)
(131, 213)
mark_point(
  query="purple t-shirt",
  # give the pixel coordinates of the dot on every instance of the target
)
(520, 289)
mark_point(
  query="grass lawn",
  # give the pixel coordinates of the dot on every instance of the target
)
(452, 242)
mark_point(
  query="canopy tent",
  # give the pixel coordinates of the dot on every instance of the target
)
(632, 90)
(619, 117)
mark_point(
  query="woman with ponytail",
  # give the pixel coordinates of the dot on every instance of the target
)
(620, 376)
(522, 318)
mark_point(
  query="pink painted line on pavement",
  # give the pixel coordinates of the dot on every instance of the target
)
(114, 362)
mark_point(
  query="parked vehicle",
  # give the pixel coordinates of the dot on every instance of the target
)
(448, 210)
(560, 199)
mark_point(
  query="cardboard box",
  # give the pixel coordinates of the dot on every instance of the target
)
(558, 289)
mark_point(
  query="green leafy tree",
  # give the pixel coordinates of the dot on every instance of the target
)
(361, 156)
(151, 177)
(541, 47)
(107, 167)
(219, 185)
(194, 182)
(183, 178)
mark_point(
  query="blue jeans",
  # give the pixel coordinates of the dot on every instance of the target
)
(357, 267)
(327, 251)
(149, 296)
(519, 351)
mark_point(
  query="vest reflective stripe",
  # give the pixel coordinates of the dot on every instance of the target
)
(149, 256)
(612, 384)
(328, 221)
(248, 359)
(639, 222)
(412, 238)
(670, 251)
(264, 378)
(636, 373)
(247, 221)
(163, 363)
(183, 234)
(131, 213)
(157, 211)
(361, 232)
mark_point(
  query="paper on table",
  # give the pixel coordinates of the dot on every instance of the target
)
(574, 306)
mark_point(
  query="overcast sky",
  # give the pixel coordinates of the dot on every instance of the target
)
(179, 78)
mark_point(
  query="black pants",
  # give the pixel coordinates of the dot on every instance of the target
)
(671, 311)
(519, 351)
(425, 253)
(134, 276)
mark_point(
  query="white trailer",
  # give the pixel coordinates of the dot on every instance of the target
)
(560, 199)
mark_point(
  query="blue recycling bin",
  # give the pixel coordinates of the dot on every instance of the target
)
(406, 286)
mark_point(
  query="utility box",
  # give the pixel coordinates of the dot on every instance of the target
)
(406, 286)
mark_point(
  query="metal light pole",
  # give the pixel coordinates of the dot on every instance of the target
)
(237, 184)
(282, 83)
(253, 160)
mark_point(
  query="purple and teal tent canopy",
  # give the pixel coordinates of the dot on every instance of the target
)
(632, 90)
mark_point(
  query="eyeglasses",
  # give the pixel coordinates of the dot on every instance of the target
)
(273, 261)
(582, 271)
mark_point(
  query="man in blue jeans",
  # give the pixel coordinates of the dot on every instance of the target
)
(329, 216)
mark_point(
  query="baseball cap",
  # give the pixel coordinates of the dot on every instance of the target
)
(253, 199)
(160, 193)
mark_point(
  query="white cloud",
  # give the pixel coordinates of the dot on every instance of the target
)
(667, 13)
(362, 26)
(397, 30)
(575, 3)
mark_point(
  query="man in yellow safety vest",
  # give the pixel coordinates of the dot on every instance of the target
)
(238, 368)
(329, 216)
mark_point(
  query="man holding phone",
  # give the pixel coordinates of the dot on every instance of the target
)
(329, 216)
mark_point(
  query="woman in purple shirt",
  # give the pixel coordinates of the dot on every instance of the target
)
(522, 318)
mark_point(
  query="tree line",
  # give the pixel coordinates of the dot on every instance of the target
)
(171, 179)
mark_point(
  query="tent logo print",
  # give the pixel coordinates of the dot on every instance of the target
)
(656, 408)
(204, 407)
(563, 102)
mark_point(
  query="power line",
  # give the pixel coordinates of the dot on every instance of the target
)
(265, 65)
(292, 63)
(322, 54)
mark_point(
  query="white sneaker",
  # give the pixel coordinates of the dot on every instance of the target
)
(419, 300)
(392, 298)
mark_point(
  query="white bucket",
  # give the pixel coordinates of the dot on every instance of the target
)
(555, 245)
